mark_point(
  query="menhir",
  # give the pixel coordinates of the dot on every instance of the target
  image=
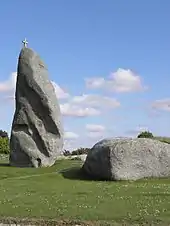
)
(37, 132)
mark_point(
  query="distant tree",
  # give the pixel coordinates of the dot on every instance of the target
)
(66, 153)
(4, 145)
(145, 134)
(80, 151)
(3, 134)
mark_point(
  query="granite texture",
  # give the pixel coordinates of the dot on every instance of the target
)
(37, 133)
(128, 159)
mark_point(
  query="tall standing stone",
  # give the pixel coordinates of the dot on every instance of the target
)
(37, 132)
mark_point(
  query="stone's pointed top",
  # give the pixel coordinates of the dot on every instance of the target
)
(25, 42)
(26, 50)
(29, 55)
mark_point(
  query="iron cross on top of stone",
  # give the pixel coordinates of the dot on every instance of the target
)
(25, 42)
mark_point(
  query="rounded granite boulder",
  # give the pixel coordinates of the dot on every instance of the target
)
(128, 159)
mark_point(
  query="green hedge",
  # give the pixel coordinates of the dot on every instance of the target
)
(4, 145)
(145, 134)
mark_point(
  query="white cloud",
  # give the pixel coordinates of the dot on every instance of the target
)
(70, 135)
(10, 84)
(163, 104)
(69, 145)
(94, 100)
(120, 81)
(95, 128)
(60, 93)
(70, 140)
(95, 135)
(95, 131)
(68, 109)
(85, 105)
(95, 83)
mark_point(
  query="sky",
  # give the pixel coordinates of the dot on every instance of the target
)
(108, 61)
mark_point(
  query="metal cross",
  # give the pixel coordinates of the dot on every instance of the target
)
(25, 43)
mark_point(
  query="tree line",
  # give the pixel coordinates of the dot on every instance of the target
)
(4, 143)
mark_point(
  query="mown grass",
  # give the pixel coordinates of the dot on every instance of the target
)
(63, 193)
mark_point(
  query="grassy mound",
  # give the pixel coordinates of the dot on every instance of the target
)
(65, 196)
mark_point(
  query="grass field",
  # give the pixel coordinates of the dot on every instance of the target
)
(62, 193)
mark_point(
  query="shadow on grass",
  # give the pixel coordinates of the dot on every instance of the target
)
(74, 173)
(4, 164)
(77, 173)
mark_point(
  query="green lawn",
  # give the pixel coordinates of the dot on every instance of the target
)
(64, 194)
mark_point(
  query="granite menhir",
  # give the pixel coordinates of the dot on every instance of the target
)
(37, 133)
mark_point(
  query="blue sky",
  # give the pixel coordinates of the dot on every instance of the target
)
(108, 59)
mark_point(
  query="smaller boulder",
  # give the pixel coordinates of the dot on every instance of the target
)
(128, 159)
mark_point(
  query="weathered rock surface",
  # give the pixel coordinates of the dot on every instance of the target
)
(37, 132)
(128, 159)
